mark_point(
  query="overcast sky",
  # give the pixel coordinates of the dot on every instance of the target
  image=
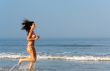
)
(56, 18)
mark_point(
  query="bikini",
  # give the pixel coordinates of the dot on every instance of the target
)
(29, 48)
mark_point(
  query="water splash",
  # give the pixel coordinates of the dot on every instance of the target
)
(14, 68)
(23, 67)
(18, 67)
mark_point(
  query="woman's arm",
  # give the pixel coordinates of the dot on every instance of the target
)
(32, 39)
(31, 31)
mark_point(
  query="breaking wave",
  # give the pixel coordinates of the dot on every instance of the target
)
(76, 58)
(49, 57)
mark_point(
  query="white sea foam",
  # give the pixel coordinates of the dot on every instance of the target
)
(49, 57)
(76, 58)
(10, 56)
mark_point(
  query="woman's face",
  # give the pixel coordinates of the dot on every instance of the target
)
(33, 26)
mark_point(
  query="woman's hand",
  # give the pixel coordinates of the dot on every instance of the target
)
(37, 37)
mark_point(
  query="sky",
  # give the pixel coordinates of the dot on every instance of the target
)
(56, 18)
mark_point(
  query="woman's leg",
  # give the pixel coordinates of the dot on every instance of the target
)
(26, 60)
(32, 59)
(30, 66)
(20, 60)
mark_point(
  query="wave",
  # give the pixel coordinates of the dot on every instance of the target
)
(9, 56)
(49, 57)
(76, 58)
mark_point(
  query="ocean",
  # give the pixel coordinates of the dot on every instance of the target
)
(59, 54)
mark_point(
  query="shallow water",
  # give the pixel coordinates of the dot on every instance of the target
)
(62, 65)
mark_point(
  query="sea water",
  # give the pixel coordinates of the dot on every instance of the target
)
(67, 49)
(72, 49)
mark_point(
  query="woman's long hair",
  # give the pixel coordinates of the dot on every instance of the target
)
(26, 25)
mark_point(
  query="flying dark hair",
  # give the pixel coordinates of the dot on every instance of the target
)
(26, 25)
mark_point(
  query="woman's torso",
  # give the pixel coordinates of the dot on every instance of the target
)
(30, 43)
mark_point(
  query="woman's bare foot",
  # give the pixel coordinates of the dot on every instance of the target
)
(20, 61)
